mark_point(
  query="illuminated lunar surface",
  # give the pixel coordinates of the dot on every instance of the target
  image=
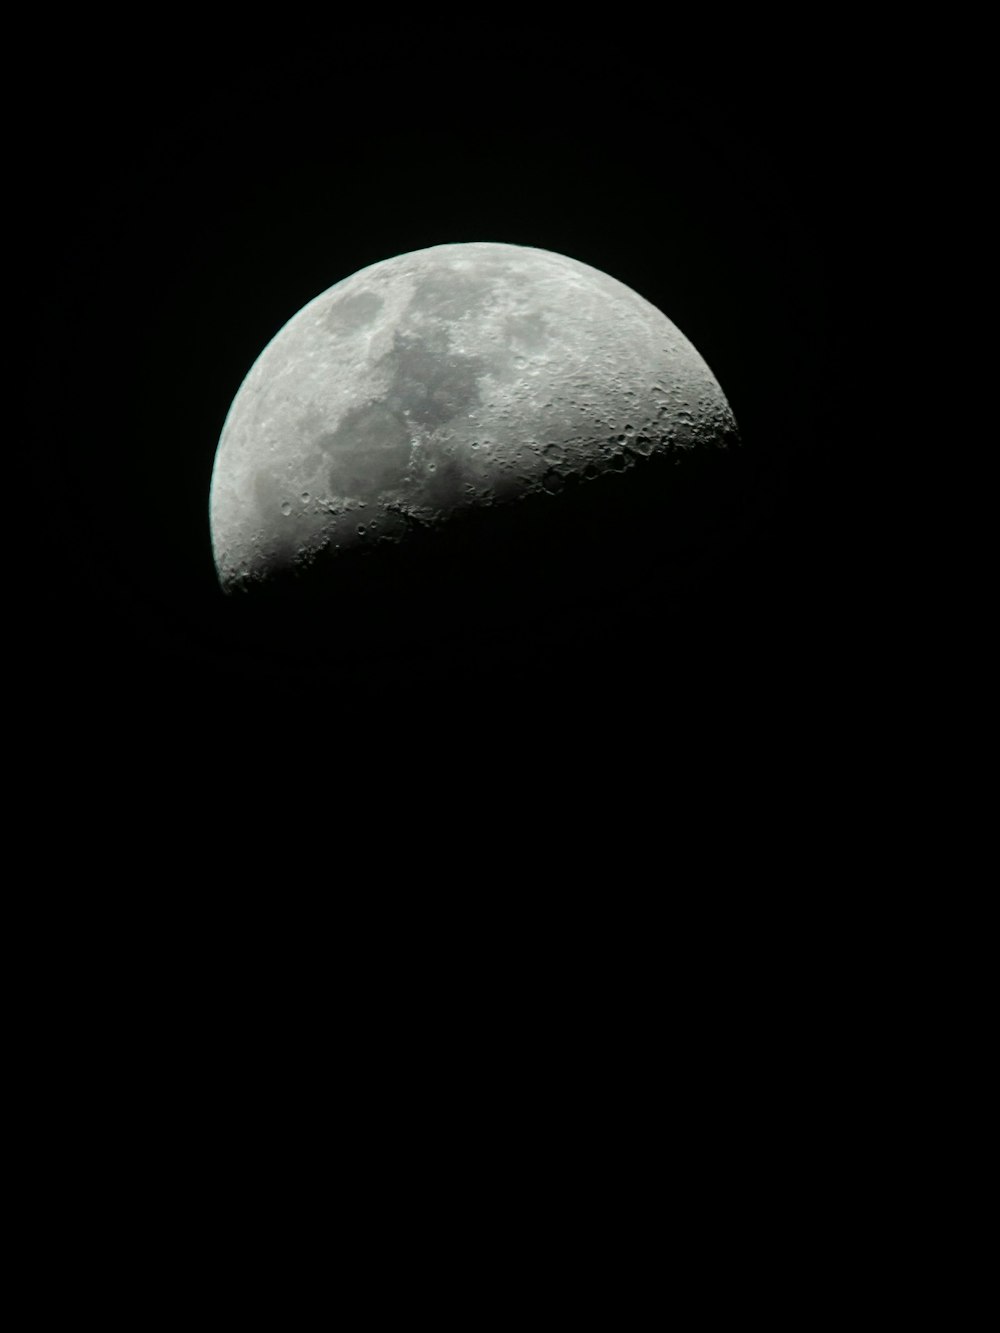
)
(459, 378)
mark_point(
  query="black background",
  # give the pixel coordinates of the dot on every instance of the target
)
(184, 204)
(281, 940)
(618, 797)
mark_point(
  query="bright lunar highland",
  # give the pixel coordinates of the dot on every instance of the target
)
(461, 376)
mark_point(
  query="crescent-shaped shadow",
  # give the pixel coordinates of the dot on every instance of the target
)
(507, 571)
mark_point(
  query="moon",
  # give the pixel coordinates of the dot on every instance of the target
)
(463, 380)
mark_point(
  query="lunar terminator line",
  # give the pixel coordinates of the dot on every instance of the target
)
(461, 377)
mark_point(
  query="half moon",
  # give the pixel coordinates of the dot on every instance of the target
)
(464, 379)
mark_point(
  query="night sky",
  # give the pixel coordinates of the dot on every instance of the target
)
(180, 216)
(479, 886)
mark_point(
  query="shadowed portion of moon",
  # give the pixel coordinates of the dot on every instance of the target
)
(470, 430)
